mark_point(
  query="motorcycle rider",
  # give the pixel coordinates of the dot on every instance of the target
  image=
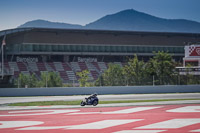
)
(91, 100)
(92, 96)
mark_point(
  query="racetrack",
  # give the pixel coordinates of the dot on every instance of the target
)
(5, 100)
(155, 117)
(183, 118)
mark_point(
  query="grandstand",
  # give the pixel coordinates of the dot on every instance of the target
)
(67, 51)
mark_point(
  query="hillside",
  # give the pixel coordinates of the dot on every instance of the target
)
(127, 20)
(47, 24)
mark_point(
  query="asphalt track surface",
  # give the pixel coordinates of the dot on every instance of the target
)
(184, 118)
(6, 100)
(150, 117)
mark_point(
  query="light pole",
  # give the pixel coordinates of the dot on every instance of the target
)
(153, 81)
(46, 78)
(100, 78)
(73, 80)
(18, 82)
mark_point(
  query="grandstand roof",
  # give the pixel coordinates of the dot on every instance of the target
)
(17, 30)
(83, 36)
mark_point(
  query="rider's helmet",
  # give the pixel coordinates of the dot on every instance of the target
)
(95, 94)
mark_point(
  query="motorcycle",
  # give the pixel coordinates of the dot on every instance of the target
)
(92, 100)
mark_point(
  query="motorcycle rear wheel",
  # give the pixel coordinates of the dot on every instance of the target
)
(95, 103)
(82, 103)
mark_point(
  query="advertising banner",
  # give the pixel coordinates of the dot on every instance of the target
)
(192, 51)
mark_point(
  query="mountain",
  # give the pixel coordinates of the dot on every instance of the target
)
(133, 20)
(47, 24)
(127, 20)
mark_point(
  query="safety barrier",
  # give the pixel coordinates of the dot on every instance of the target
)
(99, 90)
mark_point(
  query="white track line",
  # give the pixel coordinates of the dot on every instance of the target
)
(13, 124)
(103, 124)
(140, 131)
(123, 111)
(171, 124)
(189, 109)
(94, 125)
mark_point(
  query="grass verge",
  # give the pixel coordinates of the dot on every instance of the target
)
(46, 103)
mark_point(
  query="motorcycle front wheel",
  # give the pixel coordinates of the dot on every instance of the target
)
(95, 103)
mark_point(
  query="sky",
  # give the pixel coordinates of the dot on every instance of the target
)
(16, 12)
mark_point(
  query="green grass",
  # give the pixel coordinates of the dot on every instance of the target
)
(46, 103)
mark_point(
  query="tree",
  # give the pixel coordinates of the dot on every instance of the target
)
(188, 78)
(134, 71)
(113, 76)
(22, 80)
(50, 79)
(29, 80)
(162, 67)
(33, 80)
(54, 80)
(43, 80)
(100, 81)
(84, 78)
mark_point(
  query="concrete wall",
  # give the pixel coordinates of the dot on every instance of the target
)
(99, 90)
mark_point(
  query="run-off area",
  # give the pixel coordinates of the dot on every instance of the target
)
(137, 119)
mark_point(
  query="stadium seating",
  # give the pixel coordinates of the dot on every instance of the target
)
(25, 72)
(82, 66)
(102, 66)
(6, 65)
(64, 76)
(94, 74)
(14, 66)
(71, 75)
(32, 66)
(66, 70)
(95, 64)
(58, 66)
(66, 66)
(50, 66)
(75, 66)
(41, 66)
